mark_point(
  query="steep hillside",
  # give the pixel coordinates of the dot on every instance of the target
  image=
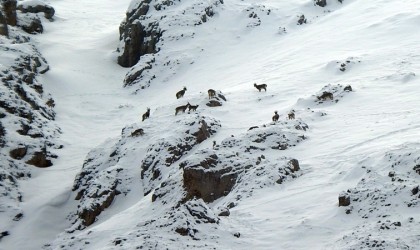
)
(28, 133)
(323, 156)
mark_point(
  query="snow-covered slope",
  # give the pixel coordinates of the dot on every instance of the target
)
(228, 177)
(28, 133)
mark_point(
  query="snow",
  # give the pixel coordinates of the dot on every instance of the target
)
(229, 53)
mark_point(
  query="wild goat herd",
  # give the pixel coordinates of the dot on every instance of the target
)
(212, 93)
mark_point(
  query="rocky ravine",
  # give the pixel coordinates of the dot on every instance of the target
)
(27, 129)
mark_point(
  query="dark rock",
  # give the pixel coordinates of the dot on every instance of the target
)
(214, 103)
(301, 20)
(237, 235)
(206, 182)
(50, 103)
(417, 169)
(397, 224)
(253, 127)
(35, 26)
(182, 231)
(4, 234)
(294, 164)
(166, 152)
(39, 159)
(326, 95)
(4, 31)
(9, 9)
(391, 174)
(18, 153)
(132, 77)
(2, 135)
(138, 39)
(348, 88)
(137, 132)
(321, 3)
(221, 96)
(18, 217)
(344, 200)
(224, 212)
(88, 216)
(231, 205)
(415, 190)
(37, 8)
(200, 211)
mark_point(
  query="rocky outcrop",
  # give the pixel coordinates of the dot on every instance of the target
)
(167, 151)
(329, 94)
(33, 25)
(27, 130)
(139, 39)
(321, 3)
(105, 174)
(302, 20)
(24, 15)
(343, 200)
(211, 174)
(151, 24)
(36, 7)
(9, 10)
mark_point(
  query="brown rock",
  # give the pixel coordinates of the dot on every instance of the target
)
(18, 153)
(39, 159)
(9, 8)
(343, 200)
(88, 216)
(206, 182)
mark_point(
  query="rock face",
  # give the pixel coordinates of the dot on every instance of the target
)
(149, 26)
(196, 130)
(9, 9)
(205, 181)
(139, 39)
